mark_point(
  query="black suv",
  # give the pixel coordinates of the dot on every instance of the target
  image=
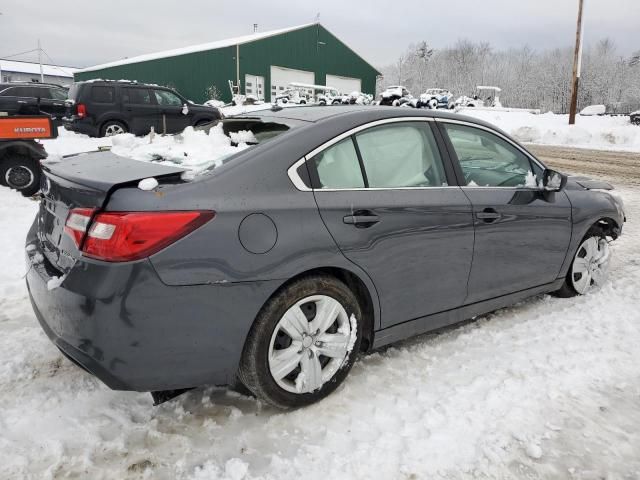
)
(30, 98)
(103, 108)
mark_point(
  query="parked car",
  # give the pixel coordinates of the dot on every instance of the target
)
(31, 98)
(395, 95)
(21, 152)
(436, 98)
(341, 231)
(104, 108)
(635, 117)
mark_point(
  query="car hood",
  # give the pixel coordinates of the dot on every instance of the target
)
(586, 183)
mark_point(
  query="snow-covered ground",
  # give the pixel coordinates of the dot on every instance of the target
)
(549, 388)
(598, 132)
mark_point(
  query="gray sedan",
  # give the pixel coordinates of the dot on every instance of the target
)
(342, 229)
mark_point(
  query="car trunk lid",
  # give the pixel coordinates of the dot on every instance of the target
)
(85, 181)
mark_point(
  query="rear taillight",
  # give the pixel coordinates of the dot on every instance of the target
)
(81, 110)
(77, 223)
(125, 236)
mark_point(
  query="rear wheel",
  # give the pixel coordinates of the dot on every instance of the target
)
(590, 265)
(112, 127)
(303, 343)
(22, 173)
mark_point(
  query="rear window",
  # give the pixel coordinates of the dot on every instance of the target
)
(101, 94)
(58, 93)
(73, 91)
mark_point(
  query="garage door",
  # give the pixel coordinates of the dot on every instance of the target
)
(344, 84)
(281, 77)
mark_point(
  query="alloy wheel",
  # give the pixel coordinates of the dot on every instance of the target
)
(590, 264)
(113, 129)
(310, 343)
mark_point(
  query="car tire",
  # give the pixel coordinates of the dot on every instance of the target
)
(304, 375)
(588, 268)
(22, 173)
(112, 127)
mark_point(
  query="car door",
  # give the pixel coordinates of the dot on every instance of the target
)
(141, 110)
(384, 194)
(174, 117)
(521, 232)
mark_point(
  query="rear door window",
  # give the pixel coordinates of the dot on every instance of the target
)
(338, 166)
(401, 155)
(102, 94)
(42, 92)
(137, 96)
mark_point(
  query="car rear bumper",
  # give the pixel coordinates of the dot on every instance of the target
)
(80, 125)
(123, 325)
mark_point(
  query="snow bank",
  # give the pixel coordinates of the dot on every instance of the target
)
(597, 132)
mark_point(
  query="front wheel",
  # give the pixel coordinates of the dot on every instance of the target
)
(590, 265)
(22, 173)
(303, 343)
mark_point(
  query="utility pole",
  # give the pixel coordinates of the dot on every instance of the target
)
(40, 62)
(577, 66)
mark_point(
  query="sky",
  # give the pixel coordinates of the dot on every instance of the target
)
(88, 33)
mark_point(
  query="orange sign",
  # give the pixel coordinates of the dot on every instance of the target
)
(15, 128)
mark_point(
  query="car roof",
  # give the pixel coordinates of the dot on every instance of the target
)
(100, 81)
(29, 84)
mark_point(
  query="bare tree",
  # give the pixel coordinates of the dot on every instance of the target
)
(528, 78)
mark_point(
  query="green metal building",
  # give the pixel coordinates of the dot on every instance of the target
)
(263, 64)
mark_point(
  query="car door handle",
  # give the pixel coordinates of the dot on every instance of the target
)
(361, 219)
(488, 215)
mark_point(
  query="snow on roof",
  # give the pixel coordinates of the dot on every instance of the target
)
(196, 48)
(34, 68)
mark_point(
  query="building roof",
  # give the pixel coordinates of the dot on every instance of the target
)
(227, 42)
(34, 68)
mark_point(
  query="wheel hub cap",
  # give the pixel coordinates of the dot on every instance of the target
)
(590, 264)
(310, 343)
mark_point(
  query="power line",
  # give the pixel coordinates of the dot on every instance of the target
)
(4, 57)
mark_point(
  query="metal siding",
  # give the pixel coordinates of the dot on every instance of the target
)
(300, 49)
(192, 73)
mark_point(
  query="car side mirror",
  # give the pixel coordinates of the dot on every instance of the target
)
(185, 109)
(553, 181)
